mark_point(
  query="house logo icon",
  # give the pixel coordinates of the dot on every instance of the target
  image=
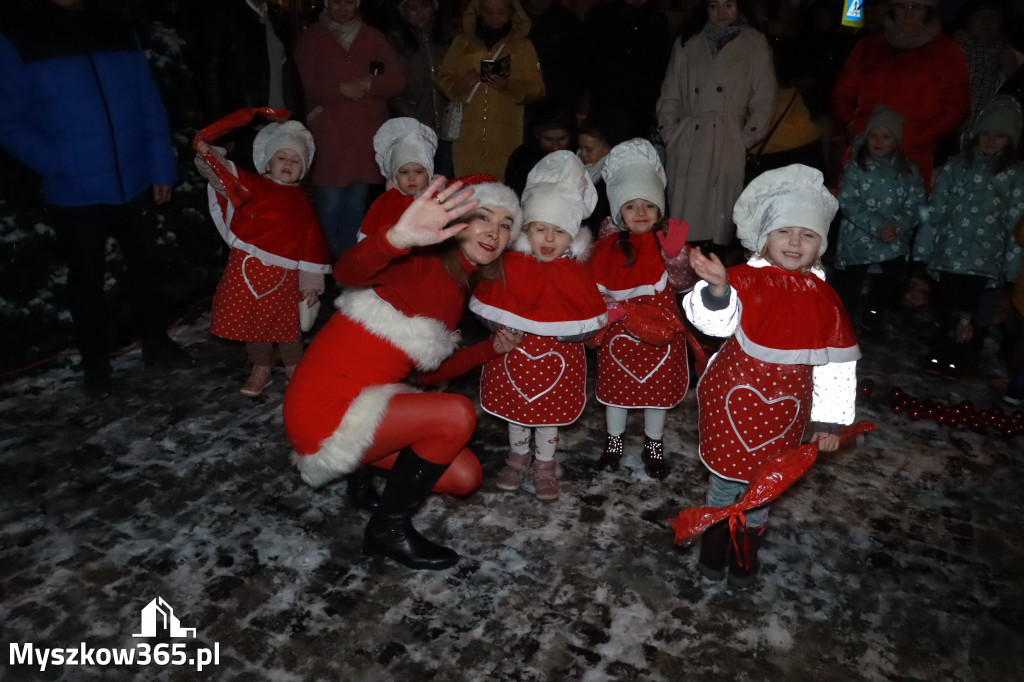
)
(158, 611)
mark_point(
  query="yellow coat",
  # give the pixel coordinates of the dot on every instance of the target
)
(492, 120)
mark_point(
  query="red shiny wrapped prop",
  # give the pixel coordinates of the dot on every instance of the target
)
(651, 324)
(237, 192)
(767, 483)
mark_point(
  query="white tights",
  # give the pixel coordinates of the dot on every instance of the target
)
(654, 421)
(547, 440)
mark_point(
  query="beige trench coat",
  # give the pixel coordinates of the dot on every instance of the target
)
(711, 110)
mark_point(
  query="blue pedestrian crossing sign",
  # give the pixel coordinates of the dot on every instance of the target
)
(852, 15)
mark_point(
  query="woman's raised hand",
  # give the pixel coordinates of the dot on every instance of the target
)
(428, 220)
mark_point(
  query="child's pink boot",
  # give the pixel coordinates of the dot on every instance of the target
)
(545, 485)
(258, 380)
(516, 468)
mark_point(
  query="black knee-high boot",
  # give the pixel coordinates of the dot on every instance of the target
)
(749, 543)
(361, 492)
(390, 532)
(714, 550)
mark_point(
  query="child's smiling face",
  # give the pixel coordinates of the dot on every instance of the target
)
(881, 142)
(640, 216)
(792, 248)
(992, 143)
(411, 179)
(285, 166)
(548, 242)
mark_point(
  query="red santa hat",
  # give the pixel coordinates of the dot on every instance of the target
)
(559, 192)
(489, 192)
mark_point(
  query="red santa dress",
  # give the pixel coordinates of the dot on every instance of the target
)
(792, 355)
(384, 212)
(273, 235)
(541, 382)
(632, 373)
(399, 311)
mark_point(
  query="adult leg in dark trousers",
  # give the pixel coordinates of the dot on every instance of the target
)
(82, 233)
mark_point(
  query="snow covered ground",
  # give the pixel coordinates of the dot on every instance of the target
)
(901, 559)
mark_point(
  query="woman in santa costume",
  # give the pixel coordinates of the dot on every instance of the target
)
(347, 405)
(791, 354)
(548, 294)
(278, 252)
(637, 267)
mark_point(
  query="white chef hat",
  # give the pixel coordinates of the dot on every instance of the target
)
(633, 170)
(792, 196)
(559, 191)
(288, 135)
(404, 140)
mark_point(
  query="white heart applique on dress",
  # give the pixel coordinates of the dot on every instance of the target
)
(638, 353)
(248, 282)
(755, 419)
(531, 370)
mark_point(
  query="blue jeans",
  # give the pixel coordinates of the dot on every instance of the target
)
(722, 492)
(341, 211)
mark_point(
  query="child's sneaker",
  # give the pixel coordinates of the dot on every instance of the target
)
(516, 468)
(258, 380)
(545, 486)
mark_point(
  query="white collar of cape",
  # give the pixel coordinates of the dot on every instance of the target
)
(642, 290)
(579, 250)
(427, 341)
(798, 356)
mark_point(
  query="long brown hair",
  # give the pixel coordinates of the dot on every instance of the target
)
(627, 248)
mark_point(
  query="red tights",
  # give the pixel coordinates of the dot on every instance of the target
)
(437, 427)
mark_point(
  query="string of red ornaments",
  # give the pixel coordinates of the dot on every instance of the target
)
(961, 415)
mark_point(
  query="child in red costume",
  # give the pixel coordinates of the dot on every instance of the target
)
(548, 294)
(404, 150)
(632, 266)
(791, 352)
(347, 404)
(278, 253)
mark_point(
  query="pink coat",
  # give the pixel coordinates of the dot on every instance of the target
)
(343, 130)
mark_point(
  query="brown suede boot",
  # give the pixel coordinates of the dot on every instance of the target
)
(714, 551)
(258, 380)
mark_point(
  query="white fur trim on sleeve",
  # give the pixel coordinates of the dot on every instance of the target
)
(342, 451)
(719, 323)
(425, 340)
(835, 393)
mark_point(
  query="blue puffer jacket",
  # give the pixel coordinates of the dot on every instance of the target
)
(79, 106)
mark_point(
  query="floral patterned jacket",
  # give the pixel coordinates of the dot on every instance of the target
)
(868, 199)
(969, 228)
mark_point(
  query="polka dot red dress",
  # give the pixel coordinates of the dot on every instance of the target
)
(273, 235)
(756, 396)
(632, 373)
(541, 382)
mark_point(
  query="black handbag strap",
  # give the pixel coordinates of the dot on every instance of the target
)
(771, 131)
